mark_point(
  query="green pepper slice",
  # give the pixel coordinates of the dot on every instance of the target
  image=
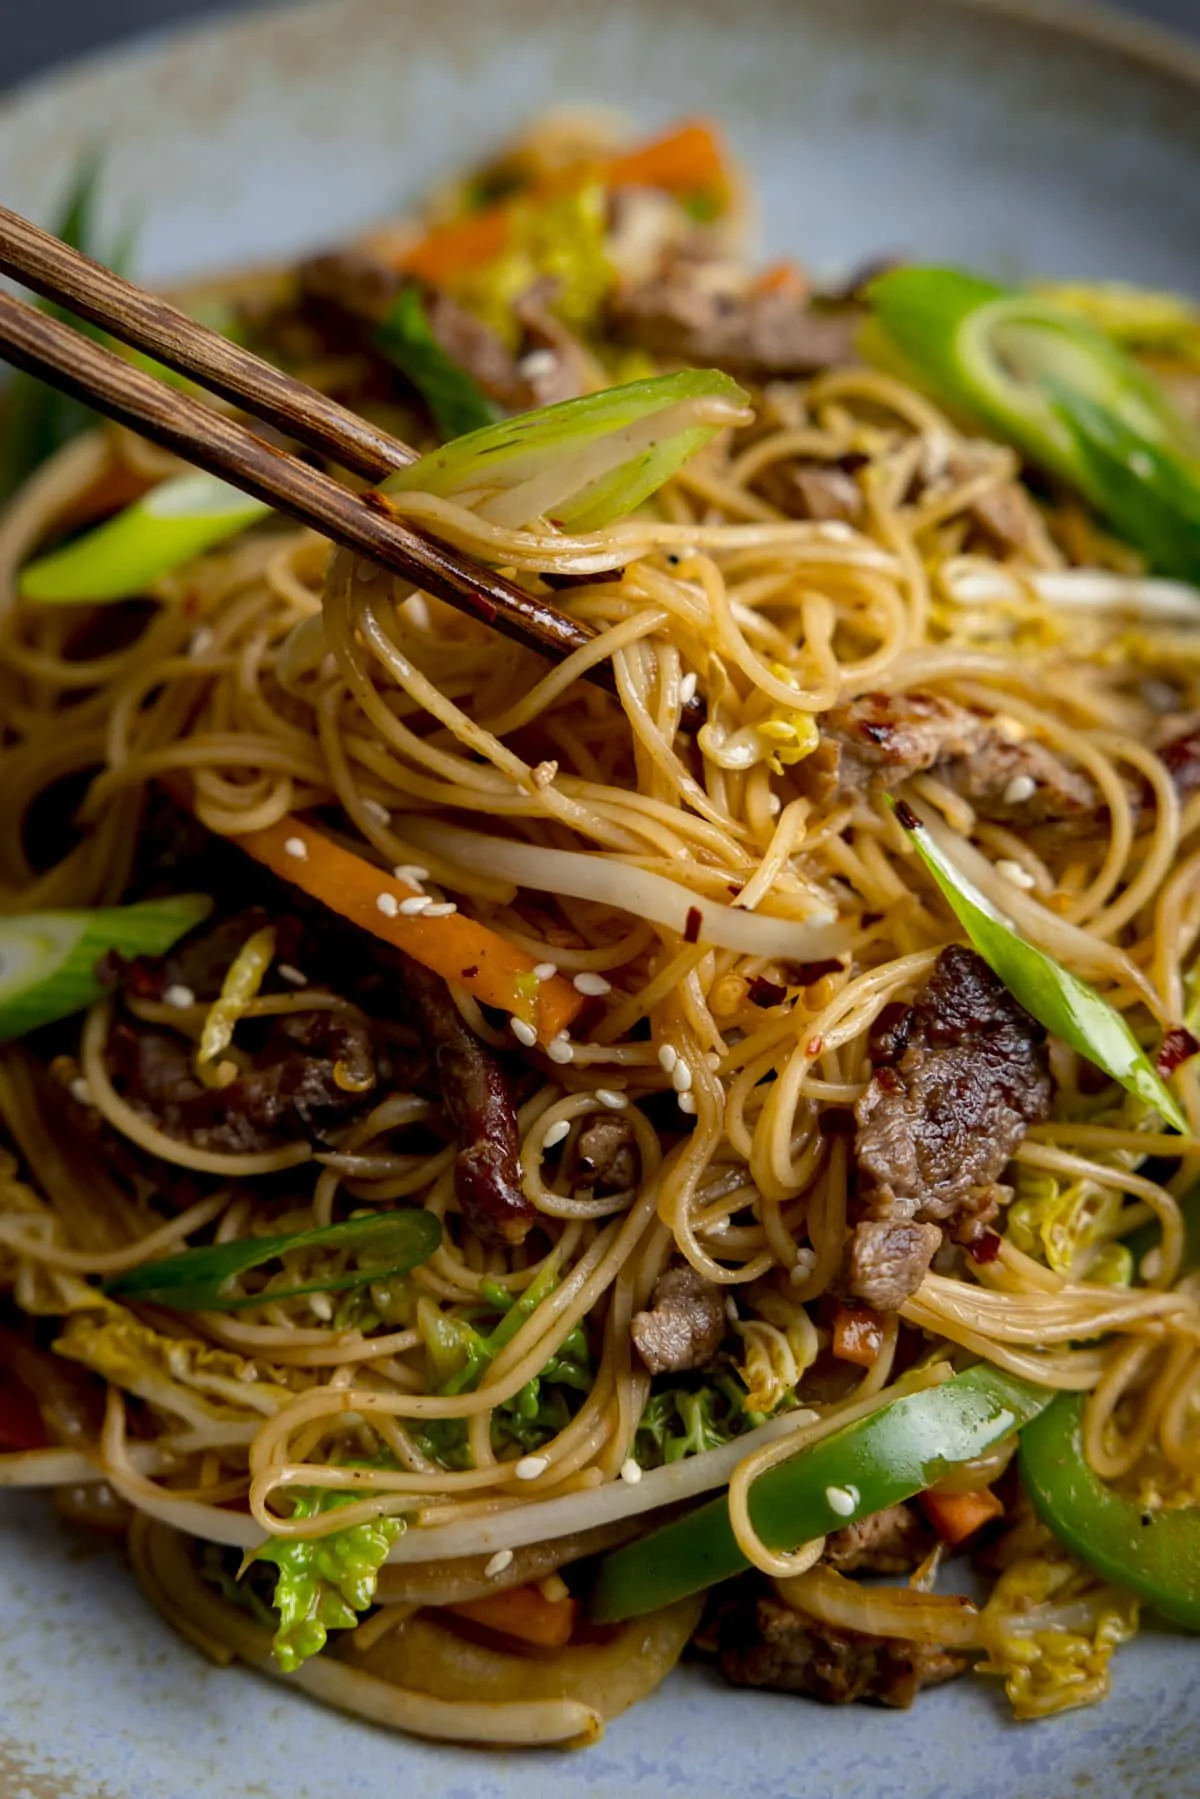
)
(901, 1449)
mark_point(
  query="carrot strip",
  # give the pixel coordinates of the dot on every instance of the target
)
(524, 1613)
(857, 1335)
(686, 160)
(782, 278)
(957, 1516)
(458, 948)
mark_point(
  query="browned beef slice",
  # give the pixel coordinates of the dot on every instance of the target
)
(888, 1259)
(893, 1541)
(766, 1644)
(1181, 753)
(899, 734)
(313, 1074)
(815, 490)
(759, 335)
(685, 1323)
(959, 1077)
(1024, 784)
(606, 1156)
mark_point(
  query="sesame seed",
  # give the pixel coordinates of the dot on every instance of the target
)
(718, 1227)
(1151, 1264)
(731, 1311)
(681, 1077)
(291, 975)
(593, 985)
(537, 365)
(180, 996)
(378, 811)
(609, 1096)
(1020, 877)
(296, 846)
(668, 1055)
(713, 1060)
(1021, 787)
(558, 1130)
(80, 1092)
(524, 1033)
(803, 1266)
(321, 1306)
(545, 971)
(412, 872)
(687, 1103)
(774, 805)
(502, 1559)
(841, 1500)
(530, 1466)
(440, 909)
(560, 1051)
(202, 641)
(416, 902)
(388, 904)
(687, 688)
(631, 1471)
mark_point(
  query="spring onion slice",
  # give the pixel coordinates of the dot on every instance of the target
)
(387, 1243)
(1058, 999)
(582, 463)
(125, 556)
(48, 959)
(455, 399)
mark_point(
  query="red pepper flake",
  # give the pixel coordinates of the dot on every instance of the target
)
(762, 992)
(468, 974)
(907, 816)
(985, 1248)
(691, 929)
(814, 1046)
(1178, 1046)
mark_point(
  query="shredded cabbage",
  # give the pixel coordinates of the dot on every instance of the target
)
(324, 1582)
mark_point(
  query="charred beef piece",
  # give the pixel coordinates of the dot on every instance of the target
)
(759, 335)
(887, 1261)
(763, 1643)
(959, 1077)
(606, 1157)
(813, 490)
(685, 1324)
(893, 1541)
(478, 1097)
(314, 1073)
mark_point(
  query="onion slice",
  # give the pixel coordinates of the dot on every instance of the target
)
(945, 1619)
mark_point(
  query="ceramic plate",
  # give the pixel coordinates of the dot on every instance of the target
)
(1010, 138)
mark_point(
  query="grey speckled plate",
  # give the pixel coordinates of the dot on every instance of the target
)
(992, 135)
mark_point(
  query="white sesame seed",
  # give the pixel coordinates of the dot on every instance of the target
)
(180, 996)
(731, 1311)
(538, 365)
(440, 909)
(1020, 877)
(717, 1228)
(609, 1096)
(841, 1500)
(687, 687)
(593, 985)
(545, 971)
(774, 805)
(388, 904)
(681, 1077)
(412, 872)
(296, 846)
(668, 1055)
(631, 1471)
(321, 1306)
(560, 1051)
(378, 811)
(80, 1092)
(687, 1103)
(416, 902)
(1021, 787)
(560, 1129)
(502, 1559)
(713, 1060)
(530, 1466)
(802, 1267)
(1151, 1264)
(524, 1033)
(291, 975)
(202, 641)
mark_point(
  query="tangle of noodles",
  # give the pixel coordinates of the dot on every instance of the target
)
(269, 678)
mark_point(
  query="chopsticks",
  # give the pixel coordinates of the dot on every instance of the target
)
(363, 522)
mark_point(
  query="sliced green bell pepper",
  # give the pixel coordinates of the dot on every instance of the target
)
(901, 1449)
(1155, 1554)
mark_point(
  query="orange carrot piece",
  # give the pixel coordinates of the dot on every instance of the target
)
(524, 1613)
(782, 278)
(458, 948)
(957, 1516)
(686, 160)
(857, 1335)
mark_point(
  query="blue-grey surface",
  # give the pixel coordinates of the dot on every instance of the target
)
(866, 123)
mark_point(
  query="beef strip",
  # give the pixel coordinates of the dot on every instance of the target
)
(893, 1541)
(758, 335)
(478, 1097)
(315, 1072)
(1181, 753)
(959, 1077)
(685, 1324)
(885, 737)
(812, 490)
(763, 1643)
(606, 1156)
(888, 1259)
